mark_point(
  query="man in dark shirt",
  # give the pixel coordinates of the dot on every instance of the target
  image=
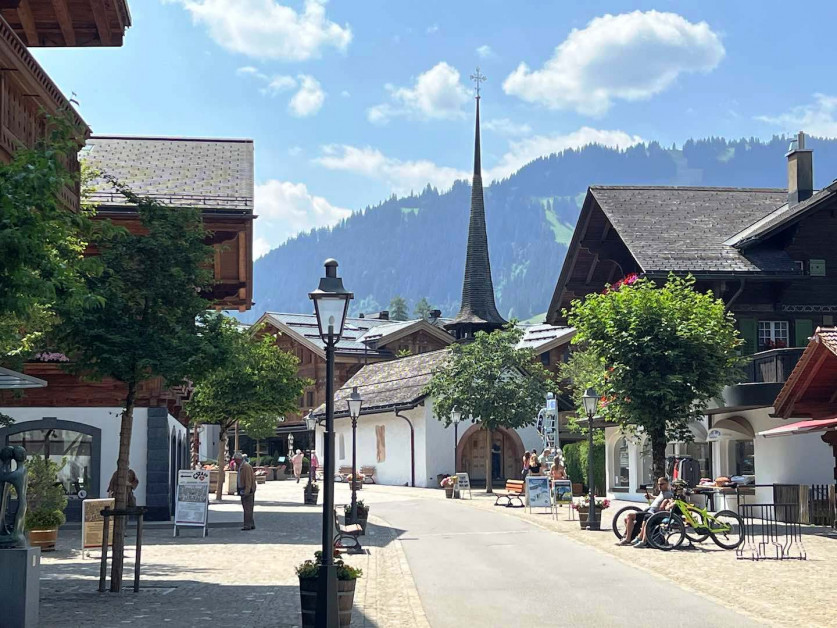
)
(632, 519)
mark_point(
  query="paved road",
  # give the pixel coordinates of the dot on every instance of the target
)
(483, 568)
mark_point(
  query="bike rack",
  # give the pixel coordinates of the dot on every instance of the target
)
(772, 532)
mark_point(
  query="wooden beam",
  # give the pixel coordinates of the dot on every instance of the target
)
(9, 4)
(592, 270)
(100, 16)
(27, 21)
(65, 22)
(242, 256)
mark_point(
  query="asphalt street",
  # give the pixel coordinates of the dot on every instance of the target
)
(484, 568)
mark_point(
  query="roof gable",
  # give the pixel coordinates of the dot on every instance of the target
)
(809, 389)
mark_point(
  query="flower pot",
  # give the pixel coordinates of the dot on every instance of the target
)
(310, 497)
(308, 592)
(449, 492)
(361, 521)
(357, 485)
(45, 539)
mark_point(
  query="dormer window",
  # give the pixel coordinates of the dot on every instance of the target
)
(773, 335)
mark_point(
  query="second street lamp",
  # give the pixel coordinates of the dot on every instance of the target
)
(355, 403)
(331, 304)
(311, 426)
(455, 417)
(591, 404)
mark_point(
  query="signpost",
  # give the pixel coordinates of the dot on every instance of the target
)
(93, 524)
(192, 501)
(463, 483)
(537, 492)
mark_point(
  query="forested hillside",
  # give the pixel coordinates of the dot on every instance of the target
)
(414, 246)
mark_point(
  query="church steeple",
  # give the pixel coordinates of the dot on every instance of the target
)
(478, 311)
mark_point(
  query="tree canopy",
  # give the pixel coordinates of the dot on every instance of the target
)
(492, 382)
(422, 308)
(666, 351)
(398, 309)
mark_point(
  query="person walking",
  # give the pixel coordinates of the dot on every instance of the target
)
(133, 483)
(246, 489)
(297, 463)
(315, 464)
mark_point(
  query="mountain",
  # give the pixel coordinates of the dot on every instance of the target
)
(414, 246)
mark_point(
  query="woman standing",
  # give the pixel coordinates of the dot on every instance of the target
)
(297, 463)
(525, 464)
(534, 465)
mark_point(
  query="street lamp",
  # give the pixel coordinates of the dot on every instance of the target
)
(331, 303)
(311, 426)
(591, 404)
(355, 403)
(455, 417)
(290, 445)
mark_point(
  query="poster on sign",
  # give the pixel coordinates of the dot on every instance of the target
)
(537, 492)
(192, 501)
(93, 523)
(463, 483)
(563, 491)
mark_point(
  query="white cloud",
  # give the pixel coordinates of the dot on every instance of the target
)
(261, 247)
(631, 57)
(504, 126)
(266, 29)
(816, 118)
(435, 94)
(308, 100)
(406, 176)
(485, 51)
(402, 176)
(431, 30)
(285, 209)
(522, 152)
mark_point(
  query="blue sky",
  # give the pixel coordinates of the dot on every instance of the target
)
(350, 101)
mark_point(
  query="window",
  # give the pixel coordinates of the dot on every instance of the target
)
(72, 451)
(773, 335)
(545, 358)
(310, 395)
(745, 458)
(621, 464)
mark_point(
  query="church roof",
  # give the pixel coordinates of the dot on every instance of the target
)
(478, 307)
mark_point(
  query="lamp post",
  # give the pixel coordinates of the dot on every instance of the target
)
(311, 425)
(456, 417)
(591, 404)
(290, 445)
(331, 304)
(355, 403)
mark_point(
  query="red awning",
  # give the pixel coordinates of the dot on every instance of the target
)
(802, 427)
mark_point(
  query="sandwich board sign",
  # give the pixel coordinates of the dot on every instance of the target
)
(192, 499)
(537, 492)
(93, 523)
(463, 483)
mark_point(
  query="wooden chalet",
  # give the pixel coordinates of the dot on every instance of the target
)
(768, 253)
(67, 23)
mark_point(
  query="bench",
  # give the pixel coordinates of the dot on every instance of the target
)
(368, 474)
(347, 534)
(343, 473)
(515, 489)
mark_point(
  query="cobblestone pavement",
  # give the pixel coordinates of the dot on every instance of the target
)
(230, 578)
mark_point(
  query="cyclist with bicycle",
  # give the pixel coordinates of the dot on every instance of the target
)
(632, 519)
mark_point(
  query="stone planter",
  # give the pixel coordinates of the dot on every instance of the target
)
(308, 592)
(45, 539)
(310, 497)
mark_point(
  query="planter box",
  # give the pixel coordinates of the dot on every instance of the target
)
(231, 482)
(45, 539)
(361, 521)
(311, 497)
(308, 592)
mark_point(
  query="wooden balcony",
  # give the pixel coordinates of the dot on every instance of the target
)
(764, 375)
(772, 366)
(67, 22)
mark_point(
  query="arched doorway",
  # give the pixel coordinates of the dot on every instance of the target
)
(507, 448)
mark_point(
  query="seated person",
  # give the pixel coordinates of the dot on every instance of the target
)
(661, 502)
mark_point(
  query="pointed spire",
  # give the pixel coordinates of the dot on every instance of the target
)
(478, 311)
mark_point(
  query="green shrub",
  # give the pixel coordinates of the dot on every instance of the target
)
(45, 497)
(575, 462)
(311, 569)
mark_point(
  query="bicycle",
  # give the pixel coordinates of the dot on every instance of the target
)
(669, 528)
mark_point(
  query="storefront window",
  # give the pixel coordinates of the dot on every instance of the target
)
(621, 463)
(773, 335)
(745, 459)
(71, 451)
(701, 453)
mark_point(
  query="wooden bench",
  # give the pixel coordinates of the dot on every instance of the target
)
(368, 474)
(343, 473)
(515, 489)
(347, 534)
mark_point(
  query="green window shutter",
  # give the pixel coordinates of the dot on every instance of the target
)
(803, 329)
(749, 332)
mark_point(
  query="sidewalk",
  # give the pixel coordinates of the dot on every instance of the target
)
(791, 593)
(230, 578)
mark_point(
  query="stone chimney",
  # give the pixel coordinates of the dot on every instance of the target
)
(800, 171)
(435, 314)
(383, 315)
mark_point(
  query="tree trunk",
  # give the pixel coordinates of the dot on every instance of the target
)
(488, 471)
(121, 489)
(222, 463)
(658, 455)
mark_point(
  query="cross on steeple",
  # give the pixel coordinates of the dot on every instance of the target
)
(477, 78)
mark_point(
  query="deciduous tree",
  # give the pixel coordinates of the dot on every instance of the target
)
(491, 381)
(666, 352)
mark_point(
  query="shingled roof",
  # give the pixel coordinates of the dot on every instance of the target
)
(387, 385)
(210, 174)
(686, 229)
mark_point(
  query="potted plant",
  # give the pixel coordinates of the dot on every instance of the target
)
(308, 573)
(449, 483)
(311, 493)
(357, 484)
(45, 503)
(583, 508)
(362, 514)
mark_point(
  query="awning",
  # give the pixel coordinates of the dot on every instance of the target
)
(13, 380)
(802, 427)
